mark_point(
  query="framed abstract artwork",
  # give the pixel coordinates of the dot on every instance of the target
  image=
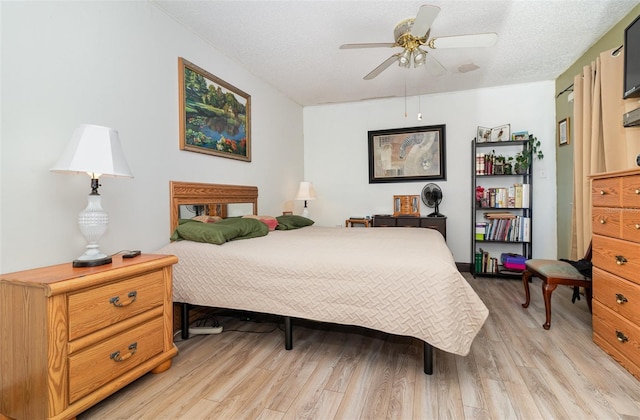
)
(215, 116)
(407, 154)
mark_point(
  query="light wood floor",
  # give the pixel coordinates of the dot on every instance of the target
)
(515, 370)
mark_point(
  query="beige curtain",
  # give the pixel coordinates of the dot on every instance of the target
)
(601, 143)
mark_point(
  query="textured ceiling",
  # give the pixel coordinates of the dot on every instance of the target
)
(293, 45)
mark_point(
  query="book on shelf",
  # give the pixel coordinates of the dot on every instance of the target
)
(514, 196)
(508, 227)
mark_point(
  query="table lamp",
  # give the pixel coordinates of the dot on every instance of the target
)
(96, 151)
(306, 192)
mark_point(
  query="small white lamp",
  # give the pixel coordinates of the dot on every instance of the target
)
(96, 151)
(306, 192)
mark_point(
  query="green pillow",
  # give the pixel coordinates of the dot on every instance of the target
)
(290, 222)
(220, 232)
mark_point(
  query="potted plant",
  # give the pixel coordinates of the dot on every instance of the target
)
(499, 164)
(524, 158)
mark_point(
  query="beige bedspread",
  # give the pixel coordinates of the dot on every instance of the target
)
(397, 280)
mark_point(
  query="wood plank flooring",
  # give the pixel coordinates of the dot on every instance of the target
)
(515, 370)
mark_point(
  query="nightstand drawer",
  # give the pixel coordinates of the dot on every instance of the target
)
(619, 295)
(606, 221)
(93, 309)
(100, 364)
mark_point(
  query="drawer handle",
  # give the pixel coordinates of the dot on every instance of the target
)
(637, 191)
(620, 260)
(603, 221)
(115, 301)
(115, 356)
(621, 337)
(602, 192)
(620, 299)
(637, 225)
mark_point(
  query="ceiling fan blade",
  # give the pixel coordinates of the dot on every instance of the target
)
(434, 67)
(367, 45)
(421, 24)
(382, 67)
(464, 41)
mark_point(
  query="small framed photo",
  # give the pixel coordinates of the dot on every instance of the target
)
(484, 135)
(501, 133)
(564, 133)
(520, 136)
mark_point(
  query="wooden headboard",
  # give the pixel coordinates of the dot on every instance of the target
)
(211, 195)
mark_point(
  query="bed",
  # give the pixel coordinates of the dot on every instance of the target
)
(396, 280)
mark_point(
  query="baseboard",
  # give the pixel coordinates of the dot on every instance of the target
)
(463, 267)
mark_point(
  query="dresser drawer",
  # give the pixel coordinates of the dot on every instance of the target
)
(619, 295)
(408, 222)
(631, 191)
(618, 333)
(606, 221)
(93, 309)
(95, 366)
(606, 192)
(618, 257)
(631, 224)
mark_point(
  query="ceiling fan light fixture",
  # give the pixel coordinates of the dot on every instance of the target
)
(405, 58)
(419, 57)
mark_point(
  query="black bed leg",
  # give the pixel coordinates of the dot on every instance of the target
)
(428, 358)
(288, 333)
(184, 320)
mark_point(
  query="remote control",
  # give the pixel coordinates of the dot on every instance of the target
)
(130, 254)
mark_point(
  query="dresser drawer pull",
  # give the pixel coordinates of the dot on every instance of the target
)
(620, 299)
(603, 221)
(602, 192)
(637, 225)
(637, 191)
(115, 356)
(116, 300)
(621, 337)
(620, 260)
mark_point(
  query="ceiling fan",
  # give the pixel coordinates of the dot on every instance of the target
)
(412, 33)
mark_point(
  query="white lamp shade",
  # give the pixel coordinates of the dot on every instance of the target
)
(306, 191)
(95, 150)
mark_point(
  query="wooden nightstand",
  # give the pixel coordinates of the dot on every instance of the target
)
(69, 337)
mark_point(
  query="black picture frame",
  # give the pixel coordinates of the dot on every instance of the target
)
(407, 154)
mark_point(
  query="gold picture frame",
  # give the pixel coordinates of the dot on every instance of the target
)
(215, 116)
(564, 132)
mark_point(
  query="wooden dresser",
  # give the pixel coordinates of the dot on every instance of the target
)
(616, 261)
(69, 337)
(437, 223)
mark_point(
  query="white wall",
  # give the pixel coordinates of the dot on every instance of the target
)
(115, 64)
(336, 157)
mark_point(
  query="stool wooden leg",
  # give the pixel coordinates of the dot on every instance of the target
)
(526, 276)
(547, 289)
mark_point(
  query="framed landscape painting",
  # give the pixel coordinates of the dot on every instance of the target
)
(215, 116)
(407, 154)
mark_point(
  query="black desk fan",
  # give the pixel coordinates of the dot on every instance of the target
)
(431, 197)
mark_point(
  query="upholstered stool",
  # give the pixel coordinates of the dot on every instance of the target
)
(553, 273)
